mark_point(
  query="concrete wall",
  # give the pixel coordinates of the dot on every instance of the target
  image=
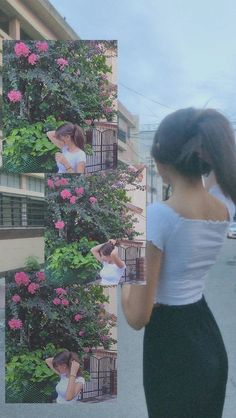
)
(13, 252)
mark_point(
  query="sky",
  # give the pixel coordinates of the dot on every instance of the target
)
(172, 53)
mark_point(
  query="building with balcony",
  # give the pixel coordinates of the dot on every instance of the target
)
(22, 211)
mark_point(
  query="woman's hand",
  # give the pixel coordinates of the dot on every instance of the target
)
(59, 157)
(74, 367)
(112, 241)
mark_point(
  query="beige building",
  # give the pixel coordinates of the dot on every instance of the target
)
(128, 126)
(21, 219)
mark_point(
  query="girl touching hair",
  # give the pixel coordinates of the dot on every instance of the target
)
(70, 139)
(66, 365)
(185, 364)
(113, 267)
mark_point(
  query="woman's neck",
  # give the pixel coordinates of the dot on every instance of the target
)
(72, 147)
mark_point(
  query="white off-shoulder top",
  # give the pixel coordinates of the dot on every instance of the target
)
(190, 248)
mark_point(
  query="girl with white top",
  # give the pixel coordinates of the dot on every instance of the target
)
(184, 360)
(66, 365)
(70, 139)
(113, 267)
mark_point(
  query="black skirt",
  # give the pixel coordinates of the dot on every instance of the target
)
(185, 364)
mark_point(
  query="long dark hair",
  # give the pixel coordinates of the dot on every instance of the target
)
(74, 131)
(106, 249)
(197, 141)
(65, 357)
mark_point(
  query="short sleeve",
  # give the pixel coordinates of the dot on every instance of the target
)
(157, 225)
(81, 157)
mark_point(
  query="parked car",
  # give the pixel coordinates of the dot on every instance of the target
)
(232, 230)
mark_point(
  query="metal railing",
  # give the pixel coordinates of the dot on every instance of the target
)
(103, 378)
(17, 211)
(104, 157)
(134, 258)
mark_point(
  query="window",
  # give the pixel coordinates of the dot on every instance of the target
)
(122, 135)
(10, 180)
(21, 211)
(35, 184)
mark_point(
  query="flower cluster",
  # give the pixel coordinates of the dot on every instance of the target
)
(14, 96)
(15, 323)
(62, 63)
(16, 298)
(32, 288)
(32, 59)
(59, 225)
(40, 275)
(60, 300)
(22, 278)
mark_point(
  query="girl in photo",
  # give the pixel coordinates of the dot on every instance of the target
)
(113, 267)
(185, 364)
(70, 139)
(66, 365)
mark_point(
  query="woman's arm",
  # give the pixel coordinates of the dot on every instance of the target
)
(52, 136)
(137, 300)
(49, 364)
(116, 259)
(73, 388)
(95, 252)
(80, 168)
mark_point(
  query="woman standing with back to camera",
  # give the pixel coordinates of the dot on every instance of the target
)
(70, 139)
(184, 361)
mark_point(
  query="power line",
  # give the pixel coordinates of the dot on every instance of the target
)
(147, 98)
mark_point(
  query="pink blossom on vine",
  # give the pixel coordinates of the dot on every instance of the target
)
(21, 49)
(65, 194)
(16, 298)
(56, 301)
(60, 291)
(32, 59)
(59, 225)
(21, 278)
(73, 199)
(62, 63)
(50, 183)
(32, 288)
(82, 333)
(14, 96)
(40, 275)
(15, 323)
(108, 110)
(93, 200)
(65, 302)
(104, 338)
(63, 181)
(42, 46)
(78, 317)
(79, 191)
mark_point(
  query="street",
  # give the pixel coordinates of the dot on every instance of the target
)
(220, 294)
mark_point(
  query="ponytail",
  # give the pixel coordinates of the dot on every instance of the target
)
(78, 137)
(74, 131)
(195, 142)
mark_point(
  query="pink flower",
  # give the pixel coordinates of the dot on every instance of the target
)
(60, 291)
(132, 169)
(104, 338)
(62, 63)
(108, 110)
(65, 194)
(21, 278)
(59, 225)
(15, 323)
(93, 200)
(50, 183)
(32, 59)
(42, 46)
(32, 288)
(16, 298)
(56, 301)
(82, 333)
(65, 302)
(14, 96)
(78, 317)
(63, 181)
(79, 191)
(40, 275)
(73, 199)
(21, 49)
(78, 72)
